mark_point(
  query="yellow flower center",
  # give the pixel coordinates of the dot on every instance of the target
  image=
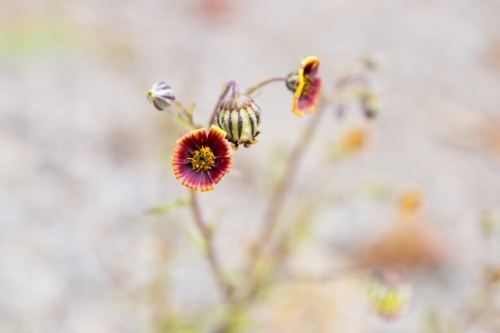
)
(203, 159)
(307, 85)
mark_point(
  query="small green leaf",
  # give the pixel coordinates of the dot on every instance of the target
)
(197, 240)
(191, 109)
(169, 206)
(183, 122)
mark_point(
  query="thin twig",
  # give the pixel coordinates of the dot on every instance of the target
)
(263, 83)
(212, 257)
(221, 97)
(278, 197)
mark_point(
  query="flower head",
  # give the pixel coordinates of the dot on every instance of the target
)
(388, 292)
(359, 87)
(239, 116)
(200, 160)
(305, 83)
(161, 95)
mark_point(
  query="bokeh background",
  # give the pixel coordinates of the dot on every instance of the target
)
(83, 157)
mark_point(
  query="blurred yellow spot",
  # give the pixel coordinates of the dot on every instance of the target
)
(410, 201)
(354, 140)
(388, 293)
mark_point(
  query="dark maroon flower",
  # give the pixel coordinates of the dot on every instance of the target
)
(200, 160)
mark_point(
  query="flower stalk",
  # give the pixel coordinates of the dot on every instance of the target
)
(225, 287)
(253, 89)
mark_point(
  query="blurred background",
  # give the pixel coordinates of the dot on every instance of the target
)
(84, 156)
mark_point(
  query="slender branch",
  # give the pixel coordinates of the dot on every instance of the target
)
(212, 258)
(263, 83)
(278, 197)
(221, 97)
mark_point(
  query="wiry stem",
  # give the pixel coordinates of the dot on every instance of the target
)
(223, 94)
(251, 90)
(205, 231)
(277, 200)
(212, 257)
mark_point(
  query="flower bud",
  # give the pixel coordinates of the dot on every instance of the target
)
(239, 117)
(161, 95)
(371, 104)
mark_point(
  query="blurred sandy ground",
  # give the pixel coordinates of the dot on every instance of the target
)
(82, 154)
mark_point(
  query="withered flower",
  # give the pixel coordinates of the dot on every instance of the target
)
(305, 83)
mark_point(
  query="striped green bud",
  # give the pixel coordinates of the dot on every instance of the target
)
(239, 117)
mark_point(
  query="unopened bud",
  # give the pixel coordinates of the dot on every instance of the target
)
(161, 95)
(371, 104)
(239, 117)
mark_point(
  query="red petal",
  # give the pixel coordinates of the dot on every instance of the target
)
(193, 140)
(310, 65)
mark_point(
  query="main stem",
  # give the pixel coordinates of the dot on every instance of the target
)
(212, 257)
(205, 231)
(223, 94)
(278, 197)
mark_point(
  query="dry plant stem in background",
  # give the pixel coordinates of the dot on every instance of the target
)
(211, 256)
(277, 200)
(251, 90)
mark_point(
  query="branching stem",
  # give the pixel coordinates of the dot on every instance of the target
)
(211, 255)
(223, 94)
(277, 200)
(251, 90)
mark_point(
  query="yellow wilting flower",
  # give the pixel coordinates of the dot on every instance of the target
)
(305, 83)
